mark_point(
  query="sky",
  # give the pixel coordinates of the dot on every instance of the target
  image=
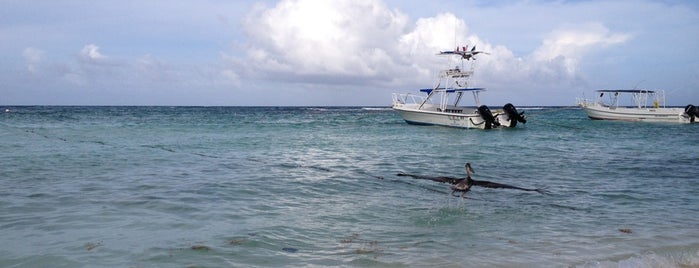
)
(340, 52)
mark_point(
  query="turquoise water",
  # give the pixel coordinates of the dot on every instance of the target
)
(301, 186)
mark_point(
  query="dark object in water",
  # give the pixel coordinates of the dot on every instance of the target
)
(290, 250)
(488, 117)
(200, 247)
(464, 185)
(237, 241)
(90, 246)
(626, 230)
(514, 116)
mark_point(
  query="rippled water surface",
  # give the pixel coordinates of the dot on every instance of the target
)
(266, 186)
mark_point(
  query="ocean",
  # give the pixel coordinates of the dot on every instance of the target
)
(317, 186)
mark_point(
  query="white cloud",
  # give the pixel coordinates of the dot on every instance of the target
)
(571, 43)
(91, 53)
(344, 42)
(310, 38)
(435, 33)
(364, 42)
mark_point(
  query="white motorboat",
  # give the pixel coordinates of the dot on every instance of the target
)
(441, 104)
(638, 108)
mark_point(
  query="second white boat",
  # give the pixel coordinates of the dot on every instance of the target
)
(613, 109)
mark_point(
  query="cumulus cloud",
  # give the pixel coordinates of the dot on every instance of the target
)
(364, 42)
(570, 43)
(441, 32)
(91, 53)
(345, 42)
(310, 38)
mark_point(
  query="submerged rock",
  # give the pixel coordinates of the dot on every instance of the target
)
(290, 250)
(200, 247)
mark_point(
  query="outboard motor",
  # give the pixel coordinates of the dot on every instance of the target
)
(514, 116)
(692, 111)
(487, 116)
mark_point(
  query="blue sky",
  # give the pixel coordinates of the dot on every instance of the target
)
(344, 52)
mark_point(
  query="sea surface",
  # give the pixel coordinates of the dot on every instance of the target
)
(317, 186)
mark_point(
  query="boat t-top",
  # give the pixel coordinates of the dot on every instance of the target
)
(440, 105)
(609, 105)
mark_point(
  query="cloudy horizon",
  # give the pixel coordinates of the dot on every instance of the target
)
(339, 53)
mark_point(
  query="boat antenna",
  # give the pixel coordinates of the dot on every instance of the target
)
(455, 32)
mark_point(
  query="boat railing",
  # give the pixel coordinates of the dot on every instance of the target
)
(407, 98)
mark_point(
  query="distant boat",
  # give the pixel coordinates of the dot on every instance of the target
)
(599, 109)
(441, 104)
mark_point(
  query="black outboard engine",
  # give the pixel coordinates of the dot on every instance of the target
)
(488, 117)
(514, 116)
(692, 111)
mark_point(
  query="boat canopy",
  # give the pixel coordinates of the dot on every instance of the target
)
(452, 90)
(625, 91)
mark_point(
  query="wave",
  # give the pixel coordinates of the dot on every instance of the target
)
(377, 108)
(346, 108)
(670, 257)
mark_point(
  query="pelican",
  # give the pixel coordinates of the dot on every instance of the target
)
(464, 185)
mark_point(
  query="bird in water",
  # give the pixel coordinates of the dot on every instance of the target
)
(464, 185)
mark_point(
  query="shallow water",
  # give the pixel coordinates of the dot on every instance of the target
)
(305, 186)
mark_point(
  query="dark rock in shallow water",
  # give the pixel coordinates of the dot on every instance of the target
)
(200, 247)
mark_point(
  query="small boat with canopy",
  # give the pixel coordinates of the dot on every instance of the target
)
(613, 104)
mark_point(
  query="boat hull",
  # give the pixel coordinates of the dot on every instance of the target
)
(669, 115)
(426, 116)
